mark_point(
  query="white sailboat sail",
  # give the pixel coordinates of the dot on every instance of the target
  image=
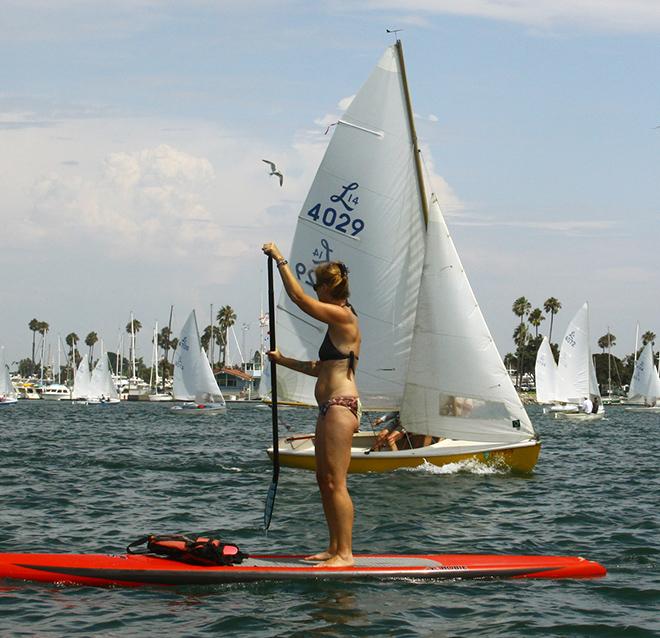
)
(364, 208)
(82, 380)
(645, 383)
(193, 377)
(7, 389)
(576, 367)
(546, 374)
(101, 385)
(457, 386)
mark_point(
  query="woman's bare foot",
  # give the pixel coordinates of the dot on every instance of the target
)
(321, 556)
(338, 561)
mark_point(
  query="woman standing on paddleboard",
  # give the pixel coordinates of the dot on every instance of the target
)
(335, 392)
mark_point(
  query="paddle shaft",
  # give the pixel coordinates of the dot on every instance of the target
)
(270, 500)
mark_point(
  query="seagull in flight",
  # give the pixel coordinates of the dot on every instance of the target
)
(274, 170)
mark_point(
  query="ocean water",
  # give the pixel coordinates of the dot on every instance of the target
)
(93, 478)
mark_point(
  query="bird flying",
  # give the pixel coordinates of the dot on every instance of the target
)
(274, 170)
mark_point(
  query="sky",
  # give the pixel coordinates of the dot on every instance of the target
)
(132, 134)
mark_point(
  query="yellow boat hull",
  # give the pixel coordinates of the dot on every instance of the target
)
(517, 458)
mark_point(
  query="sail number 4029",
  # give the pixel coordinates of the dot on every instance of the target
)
(341, 222)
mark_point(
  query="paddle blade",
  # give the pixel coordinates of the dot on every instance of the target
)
(270, 503)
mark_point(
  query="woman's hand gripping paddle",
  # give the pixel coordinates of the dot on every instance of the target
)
(270, 499)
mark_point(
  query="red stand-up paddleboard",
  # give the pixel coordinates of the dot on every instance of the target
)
(135, 570)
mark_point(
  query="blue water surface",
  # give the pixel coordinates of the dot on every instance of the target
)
(93, 478)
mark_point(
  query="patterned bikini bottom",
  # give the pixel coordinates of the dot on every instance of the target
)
(352, 403)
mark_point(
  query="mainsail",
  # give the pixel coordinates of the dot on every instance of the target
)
(82, 380)
(546, 374)
(576, 367)
(193, 377)
(364, 208)
(6, 386)
(101, 385)
(645, 383)
(457, 386)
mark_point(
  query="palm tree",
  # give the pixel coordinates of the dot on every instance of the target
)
(42, 329)
(521, 307)
(206, 337)
(71, 340)
(133, 327)
(226, 318)
(553, 306)
(137, 326)
(34, 326)
(90, 340)
(606, 342)
(165, 341)
(648, 337)
(520, 337)
(535, 318)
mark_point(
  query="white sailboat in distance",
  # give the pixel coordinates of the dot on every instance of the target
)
(194, 383)
(102, 389)
(82, 381)
(546, 374)
(576, 372)
(645, 383)
(7, 390)
(426, 350)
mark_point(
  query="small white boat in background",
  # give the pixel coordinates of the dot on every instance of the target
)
(56, 392)
(194, 383)
(645, 383)
(7, 389)
(26, 390)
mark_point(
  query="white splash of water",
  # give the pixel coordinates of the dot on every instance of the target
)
(469, 466)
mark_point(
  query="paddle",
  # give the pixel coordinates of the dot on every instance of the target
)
(272, 490)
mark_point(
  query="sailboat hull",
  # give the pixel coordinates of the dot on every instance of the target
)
(298, 452)
(198, 409)
(580, 416)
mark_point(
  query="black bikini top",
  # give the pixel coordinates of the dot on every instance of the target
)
(329, 352)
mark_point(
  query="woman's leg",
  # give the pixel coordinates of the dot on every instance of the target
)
(336, 435)
(319, 454)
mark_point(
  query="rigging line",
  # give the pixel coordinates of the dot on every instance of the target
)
(380, 134)
(309, 323)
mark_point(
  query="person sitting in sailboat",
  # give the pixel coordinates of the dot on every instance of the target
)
(335, 391)
(395, 437)
(387, 437)
(587, 405)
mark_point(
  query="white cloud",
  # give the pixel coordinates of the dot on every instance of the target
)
(607, 15)
(331, 118)
(426, 118)
(575, 228)
(345, 102)
(449, 201)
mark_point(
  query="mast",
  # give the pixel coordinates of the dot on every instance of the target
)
(210, 348)
(156, 354)
(167, 343)
(609, 363)
(413, 133)
(133, 346)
